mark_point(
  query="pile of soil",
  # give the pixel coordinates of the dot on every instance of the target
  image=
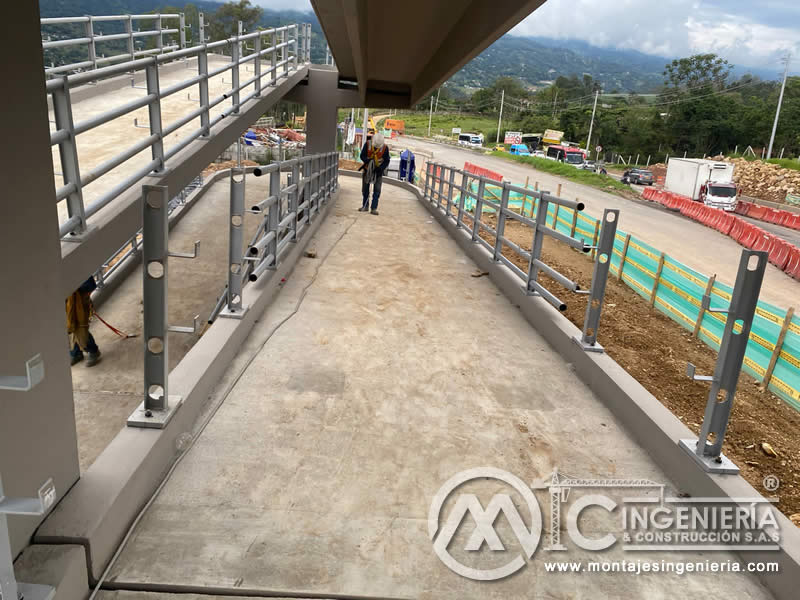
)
(655, 350)
(350, 165)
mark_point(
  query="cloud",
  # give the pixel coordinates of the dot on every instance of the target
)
(753, 34)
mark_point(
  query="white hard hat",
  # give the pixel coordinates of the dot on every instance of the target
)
(377, 140)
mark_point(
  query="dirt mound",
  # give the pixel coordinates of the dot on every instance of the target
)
(764, 180)
(226, 164)
(654, 349)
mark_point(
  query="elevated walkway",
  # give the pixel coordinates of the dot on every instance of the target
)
(383, 368)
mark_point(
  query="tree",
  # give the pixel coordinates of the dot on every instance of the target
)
(225, 22)
(698, 70)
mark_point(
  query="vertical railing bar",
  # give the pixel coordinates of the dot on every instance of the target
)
(68, 153)
(501, 222)
(154, 111)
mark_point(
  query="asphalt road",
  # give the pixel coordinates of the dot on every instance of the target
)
(698, 247)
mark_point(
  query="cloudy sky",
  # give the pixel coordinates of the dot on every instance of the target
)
(749, 33)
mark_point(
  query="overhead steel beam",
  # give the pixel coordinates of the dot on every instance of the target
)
(483, 23)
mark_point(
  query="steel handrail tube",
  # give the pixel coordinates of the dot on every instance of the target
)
(548, 296)
(65, 190)
(175, 125)
(121, 187)
(577, 244)
(259, 245)
(562, 279)
(264, 204)
(117, 160)
(181, 85)
(102, 118)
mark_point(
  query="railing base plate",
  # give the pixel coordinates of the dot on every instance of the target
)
(78, 238)
(35, 591)
(239, 314)
(588, 347)
(721, 465)
(159, 418)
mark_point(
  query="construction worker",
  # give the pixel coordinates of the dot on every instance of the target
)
(375, 156)
(79, 311)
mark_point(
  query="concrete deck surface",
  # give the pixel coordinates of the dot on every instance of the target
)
(106, 394)
(398, 370)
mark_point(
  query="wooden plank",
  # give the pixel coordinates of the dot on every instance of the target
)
(702, 313)
(778, 346)
(594, 238)
(623, 256)
(574, 220)
(657, 280)
(558, 191)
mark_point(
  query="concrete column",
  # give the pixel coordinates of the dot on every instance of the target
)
(37, 427)
(321, 97)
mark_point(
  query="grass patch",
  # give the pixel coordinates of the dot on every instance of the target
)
(786, 163)
(601, 182)
(443, 124)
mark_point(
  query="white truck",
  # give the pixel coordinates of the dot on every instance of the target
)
(707, 181)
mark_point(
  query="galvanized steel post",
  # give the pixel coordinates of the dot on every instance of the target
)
(501, 222)
(273, 217)
(257, 64)
(274, 59)
(92, 49)
(450, 183)
(157, 408)
(597, 292)
(154, 111)
(235, 308)
(202, 71)
(68, 153)
(461, 195)
(129, 31)
(707, 450)
(235, 77)
(294, 197)
(439, 196)
(296, 36)
(201, 28)
(476, 221)
(538, 239)
(182, 26)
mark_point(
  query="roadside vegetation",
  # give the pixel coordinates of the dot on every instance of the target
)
(601, 182)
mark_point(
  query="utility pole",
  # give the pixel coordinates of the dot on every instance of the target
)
(430, 116)
(778, 112)
(591, 125)
(439, 91)
(500, 120)
(554, 103)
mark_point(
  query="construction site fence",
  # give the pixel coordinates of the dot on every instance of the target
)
(676, 290)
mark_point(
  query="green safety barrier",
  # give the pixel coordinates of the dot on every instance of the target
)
(679, 293)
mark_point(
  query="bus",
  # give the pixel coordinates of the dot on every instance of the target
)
(473, 140)
(566, 154)
(532, 141)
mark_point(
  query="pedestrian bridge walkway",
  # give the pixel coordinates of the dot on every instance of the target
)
(383, 368)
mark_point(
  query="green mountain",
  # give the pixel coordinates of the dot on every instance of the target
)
(536, 61)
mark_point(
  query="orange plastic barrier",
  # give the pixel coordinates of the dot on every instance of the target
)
(480, 171)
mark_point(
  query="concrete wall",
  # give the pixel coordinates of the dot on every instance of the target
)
(37, 428)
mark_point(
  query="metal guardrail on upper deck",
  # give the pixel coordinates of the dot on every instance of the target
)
(285, 48)
(92, 38)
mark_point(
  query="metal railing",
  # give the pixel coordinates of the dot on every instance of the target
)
(284, 49)
(450, 198)
(91, 38)
(133, 245)
(286, 214)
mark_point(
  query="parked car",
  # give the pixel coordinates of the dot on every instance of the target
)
(520, 150)
(539, 154)
(499, 148)
(589, 165)
(638, 176)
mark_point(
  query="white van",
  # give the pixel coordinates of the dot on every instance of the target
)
(473, 140)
